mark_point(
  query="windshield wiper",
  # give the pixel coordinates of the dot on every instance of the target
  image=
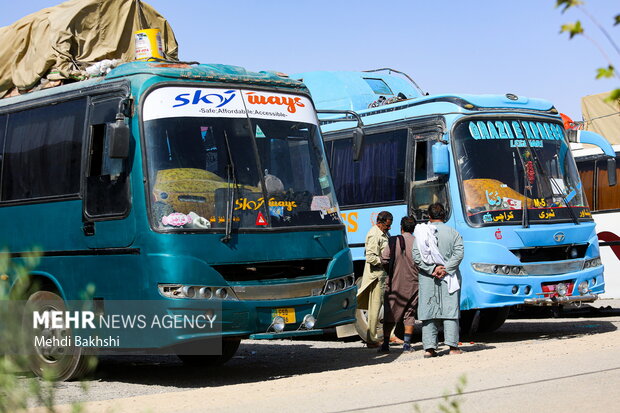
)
(546, 177)
(230, 176)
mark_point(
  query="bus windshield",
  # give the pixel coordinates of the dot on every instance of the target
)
(261, 168)
(509, 166)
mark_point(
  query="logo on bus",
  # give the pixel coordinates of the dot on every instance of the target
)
(291, 103)
(558, 236)
(209, 98)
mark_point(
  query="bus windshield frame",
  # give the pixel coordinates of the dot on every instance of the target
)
(213, 154)
(516, 170)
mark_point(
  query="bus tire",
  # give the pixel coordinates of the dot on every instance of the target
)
(361, 319)
(229, 348)
(482, 321)
(492, 318)
(53, 363)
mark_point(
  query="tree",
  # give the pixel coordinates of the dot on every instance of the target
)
(577, 29)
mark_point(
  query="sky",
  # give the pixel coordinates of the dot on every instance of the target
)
(476, 46)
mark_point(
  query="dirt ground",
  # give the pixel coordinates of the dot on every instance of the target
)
(529, 364)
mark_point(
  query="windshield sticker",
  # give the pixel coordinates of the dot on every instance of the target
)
(547, 214)
(170, 102)
(276, 211)
(511, 203)
(244, 204)
(585, 213)
(260, 219)
(320, 203)
(493, 198)
(540, 203)
(504, 216)
(518, 133)
(221, 220)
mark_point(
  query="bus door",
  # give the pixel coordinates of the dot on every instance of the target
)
(107, 218)
(426, 187)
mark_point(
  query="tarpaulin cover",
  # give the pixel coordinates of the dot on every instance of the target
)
(601, 116)
(61, 41)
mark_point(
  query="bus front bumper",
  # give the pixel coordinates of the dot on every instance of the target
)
(572, 299)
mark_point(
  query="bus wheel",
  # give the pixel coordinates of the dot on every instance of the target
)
(229, 348)
(492, 318)
(484, 320)
(56, 362)
(361, 319)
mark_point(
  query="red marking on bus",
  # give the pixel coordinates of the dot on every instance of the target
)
(607, 236)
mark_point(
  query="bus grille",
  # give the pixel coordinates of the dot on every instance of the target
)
(278, 270)
(279, 291)
(555, 253)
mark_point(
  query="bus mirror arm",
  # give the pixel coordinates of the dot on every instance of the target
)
(358, 131)
(611, 171)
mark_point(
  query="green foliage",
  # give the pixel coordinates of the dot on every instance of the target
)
(451, 402)
(567, 4)
(573, 29)
(18, 389)
(605, 72)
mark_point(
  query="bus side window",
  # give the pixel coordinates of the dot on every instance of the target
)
(586, 173)
(43, 152)
(426, 187)
(378, 177)
(2, 130)
(107, 185)
(607, 197)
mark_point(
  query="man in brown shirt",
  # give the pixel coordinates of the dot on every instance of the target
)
(401, 292)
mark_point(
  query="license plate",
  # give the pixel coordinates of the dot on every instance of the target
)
(288, 314)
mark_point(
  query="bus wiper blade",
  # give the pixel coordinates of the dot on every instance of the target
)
(230, 176)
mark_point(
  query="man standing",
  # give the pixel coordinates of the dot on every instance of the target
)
(401, 293)
(438, 251)
(370, 294)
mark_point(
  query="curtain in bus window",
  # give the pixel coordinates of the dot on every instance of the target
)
(43, 152)
(586, 173)
(378, 176)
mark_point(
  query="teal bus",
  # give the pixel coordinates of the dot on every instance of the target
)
(194, 188)
(501, 164)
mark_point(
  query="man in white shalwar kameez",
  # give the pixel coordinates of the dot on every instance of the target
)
(438, 251)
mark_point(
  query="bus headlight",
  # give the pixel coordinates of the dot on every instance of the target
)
(594, 262)
(561, 289)
(278, 324)
(583, 287)
(196, 292)
(308, 322)
(499, 269)
(339, 284)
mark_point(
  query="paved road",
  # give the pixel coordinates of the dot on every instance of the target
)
(571, 362)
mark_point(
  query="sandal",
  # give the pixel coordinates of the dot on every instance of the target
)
(430, 353)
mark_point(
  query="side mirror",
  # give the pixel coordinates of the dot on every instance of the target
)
(611, 171)
(358, 143)
(118, 133)
(441, 158)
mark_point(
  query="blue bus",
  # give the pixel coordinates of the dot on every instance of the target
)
(187, 188)
(501, 164)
